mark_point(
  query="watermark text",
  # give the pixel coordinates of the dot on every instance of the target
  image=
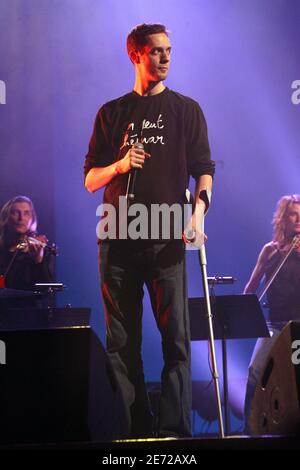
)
(296, 94)
(2, 92)
(296, 353)
(147, 222)
(2, 353)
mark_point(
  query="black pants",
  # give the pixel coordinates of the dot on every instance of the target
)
(125, 266)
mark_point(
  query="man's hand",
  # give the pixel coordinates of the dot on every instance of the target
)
(134, 158)
(193, 234)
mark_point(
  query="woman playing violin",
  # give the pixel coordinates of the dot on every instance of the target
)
(24, 256)
(283, 294)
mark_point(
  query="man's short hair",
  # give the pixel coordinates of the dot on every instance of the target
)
(137, 38)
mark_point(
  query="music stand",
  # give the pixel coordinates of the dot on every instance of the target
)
(7, 293)
(234, 317)
(29, 318)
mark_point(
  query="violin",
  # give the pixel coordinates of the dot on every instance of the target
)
(297, 245)
(293, 245)
(38, 241)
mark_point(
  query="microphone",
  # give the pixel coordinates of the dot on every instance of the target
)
(132, 177)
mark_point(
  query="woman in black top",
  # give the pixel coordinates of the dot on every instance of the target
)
(283, 295)
(24, 256)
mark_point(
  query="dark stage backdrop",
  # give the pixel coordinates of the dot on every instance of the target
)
(61, 59)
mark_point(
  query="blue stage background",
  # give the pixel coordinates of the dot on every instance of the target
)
(61, 59)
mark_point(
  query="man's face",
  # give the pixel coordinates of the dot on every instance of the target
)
(20, 219)
(293, 220)
(154, 59)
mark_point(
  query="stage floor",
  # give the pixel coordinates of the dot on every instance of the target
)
(170, 445)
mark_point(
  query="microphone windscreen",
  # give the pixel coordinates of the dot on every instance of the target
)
(139, 145)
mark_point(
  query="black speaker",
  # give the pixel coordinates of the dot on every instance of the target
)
(275, 407)
(56, 385)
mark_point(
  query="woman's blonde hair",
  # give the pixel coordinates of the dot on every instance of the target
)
(279, 218)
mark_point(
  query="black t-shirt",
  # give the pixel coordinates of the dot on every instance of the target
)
(173, 131)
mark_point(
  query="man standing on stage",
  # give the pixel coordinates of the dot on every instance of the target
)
(173, 144)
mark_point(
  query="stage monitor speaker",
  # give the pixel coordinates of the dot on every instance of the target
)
(56, 385)
(275, 407)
